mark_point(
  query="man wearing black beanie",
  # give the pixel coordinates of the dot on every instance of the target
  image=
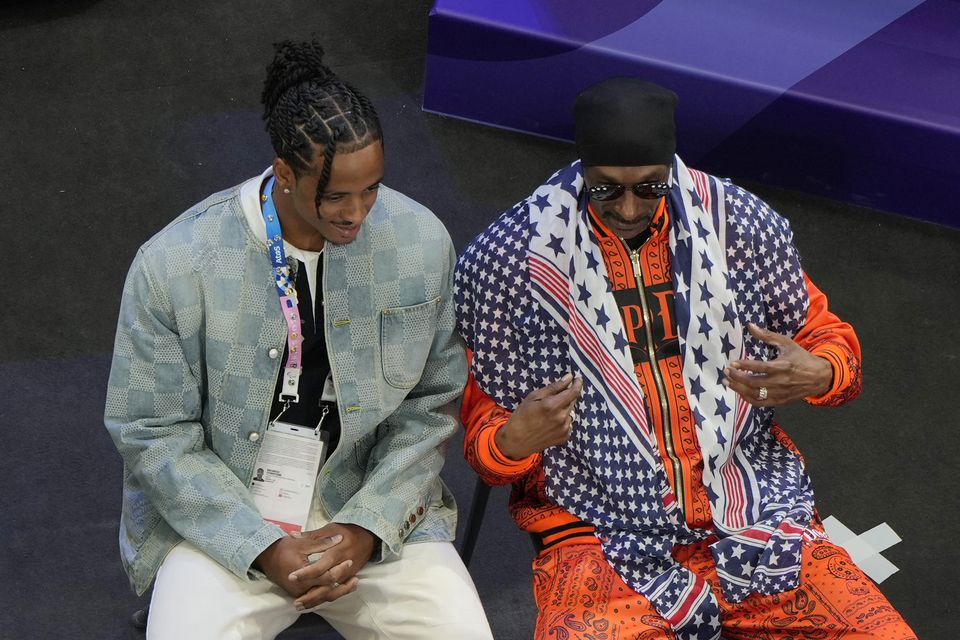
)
(633, 324)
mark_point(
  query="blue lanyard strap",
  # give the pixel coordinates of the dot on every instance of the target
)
(290, 389)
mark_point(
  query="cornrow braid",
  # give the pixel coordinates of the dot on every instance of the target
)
(328, 152)
(305, 104)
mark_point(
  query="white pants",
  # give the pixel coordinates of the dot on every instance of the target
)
(426, 594)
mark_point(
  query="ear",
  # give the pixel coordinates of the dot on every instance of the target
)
(286, 178)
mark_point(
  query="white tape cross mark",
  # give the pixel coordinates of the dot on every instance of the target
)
(865, 549)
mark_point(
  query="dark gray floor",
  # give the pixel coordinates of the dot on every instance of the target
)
(118, 115)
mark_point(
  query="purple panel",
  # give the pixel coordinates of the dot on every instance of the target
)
(909, 70)
(758, 48)
(841, 108)
(761, 48)
(879, 126)
(548, 27)
(535, 94)
(758, 42)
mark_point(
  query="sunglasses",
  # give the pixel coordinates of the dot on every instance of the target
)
(645, 190)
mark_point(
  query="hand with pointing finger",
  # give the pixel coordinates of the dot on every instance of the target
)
(795, 373)
(543, 419)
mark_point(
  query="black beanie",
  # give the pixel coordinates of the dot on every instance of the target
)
(625, 122)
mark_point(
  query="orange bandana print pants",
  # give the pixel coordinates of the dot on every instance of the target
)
(580, 597)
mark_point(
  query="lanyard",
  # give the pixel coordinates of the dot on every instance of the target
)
(290, 389)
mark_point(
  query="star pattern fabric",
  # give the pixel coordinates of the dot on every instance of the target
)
(761, 498)
(534, 303)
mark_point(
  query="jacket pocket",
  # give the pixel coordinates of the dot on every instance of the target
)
(406, 334)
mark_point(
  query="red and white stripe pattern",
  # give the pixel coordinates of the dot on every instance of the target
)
(613, 375)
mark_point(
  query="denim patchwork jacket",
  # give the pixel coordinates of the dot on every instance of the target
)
(199, 347)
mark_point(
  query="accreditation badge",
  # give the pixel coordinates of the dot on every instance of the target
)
(285, 474)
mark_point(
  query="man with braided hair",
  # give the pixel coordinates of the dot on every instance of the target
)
(301, 323)
(633, 324)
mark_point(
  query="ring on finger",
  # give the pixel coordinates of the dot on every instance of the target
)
(334, 584)
(762, 394)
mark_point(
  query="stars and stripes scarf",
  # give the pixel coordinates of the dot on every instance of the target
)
(534, 302)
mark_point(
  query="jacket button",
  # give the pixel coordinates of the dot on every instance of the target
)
(253, 437)
(413, 518)
(274, 354)
(420, 511)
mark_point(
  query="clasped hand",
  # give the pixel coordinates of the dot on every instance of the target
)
(341, 551)
(795, 373)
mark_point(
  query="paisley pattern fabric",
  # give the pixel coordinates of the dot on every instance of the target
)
(581, 597)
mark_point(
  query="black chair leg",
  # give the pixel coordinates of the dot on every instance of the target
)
(139, 618)
(481, 494)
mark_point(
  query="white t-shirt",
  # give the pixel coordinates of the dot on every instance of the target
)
(250, 203)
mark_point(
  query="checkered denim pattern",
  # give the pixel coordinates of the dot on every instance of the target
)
(192, 380)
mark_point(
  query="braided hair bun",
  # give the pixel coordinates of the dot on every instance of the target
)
(293, 64)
